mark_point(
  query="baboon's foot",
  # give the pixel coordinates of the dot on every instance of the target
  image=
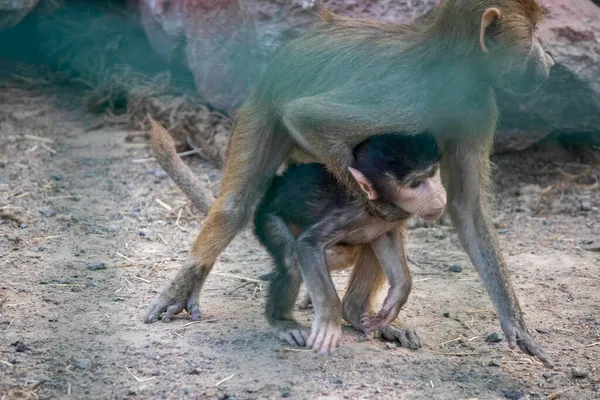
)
(407, 338)
(290, 331)
(181, 294)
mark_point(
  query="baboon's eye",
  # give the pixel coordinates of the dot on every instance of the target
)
(415, 184)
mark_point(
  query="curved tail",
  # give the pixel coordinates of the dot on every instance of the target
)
(163, 149)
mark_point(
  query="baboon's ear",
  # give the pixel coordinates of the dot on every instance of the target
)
(489, 16)
(364, 183)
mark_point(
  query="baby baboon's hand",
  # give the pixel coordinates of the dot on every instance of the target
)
(324, 336)
(392, 304)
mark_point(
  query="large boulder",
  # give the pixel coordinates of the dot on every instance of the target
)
(228, 45)
(13, 11)
(570, 100)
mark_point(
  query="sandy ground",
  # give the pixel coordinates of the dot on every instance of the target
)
(85, 244)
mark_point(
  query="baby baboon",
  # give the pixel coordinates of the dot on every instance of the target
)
(307, 210)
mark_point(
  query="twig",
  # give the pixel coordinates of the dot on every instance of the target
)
(557, 395)
(139, 379)
(162, 239)
(456, 354)
(242, 278)
(39, 139)
(239, 287)
(592, 345)
(141, 279)
(6, 363)
(51, 150)
(224, 380)
(296, 350)
(125, 257)
(421, 280)
(449, 341)
(183, 154)
(165, 205)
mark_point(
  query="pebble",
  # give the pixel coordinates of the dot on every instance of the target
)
(585, 205)
(48, 213)
(21, 347)
(446, 314)
(579, 373)
(111, 228)
(502, 231)
(542, 330)
(513, 394)
(493, 363)
(439, 235)
(96, 265)
(56, 177)
(84, 363)
(64, 281)
(145, 233)
(455, 268)
(286, 394)
(494, 337)
(390, 345)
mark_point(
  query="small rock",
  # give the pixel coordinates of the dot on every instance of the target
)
(579, 373)
(47, 213)
(21, 347)
(145, 233)
(455, 268)
(193, 371)
(439, 235)
(96, 265)
(446, 314)
(493, 363)
(56, 177)
(547, 375)
(111, 228)
(513, 394)
(22, 226)
(542, 330)
(494, 337)
(585, 205)
(390, 345)
(502, 231)
(286, 394)
(64, 281)
(84, 363)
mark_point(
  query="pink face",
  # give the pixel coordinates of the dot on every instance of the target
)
(424, 196)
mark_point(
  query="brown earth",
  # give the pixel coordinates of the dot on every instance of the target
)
(67, 331)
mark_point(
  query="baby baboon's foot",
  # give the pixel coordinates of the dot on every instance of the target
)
(305, 303)
(324, 336)
(408, 338)
(290, 331)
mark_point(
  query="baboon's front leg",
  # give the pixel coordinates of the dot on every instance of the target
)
(466, 166)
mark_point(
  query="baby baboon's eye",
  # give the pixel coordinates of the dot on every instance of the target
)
(415, 184)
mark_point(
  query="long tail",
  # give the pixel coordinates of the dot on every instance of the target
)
(163, 148)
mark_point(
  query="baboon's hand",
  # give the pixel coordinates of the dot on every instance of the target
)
(516, 334)
(173, 300)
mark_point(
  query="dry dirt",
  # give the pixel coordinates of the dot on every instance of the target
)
(69, 331)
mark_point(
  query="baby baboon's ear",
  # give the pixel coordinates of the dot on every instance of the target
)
(364, 183)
